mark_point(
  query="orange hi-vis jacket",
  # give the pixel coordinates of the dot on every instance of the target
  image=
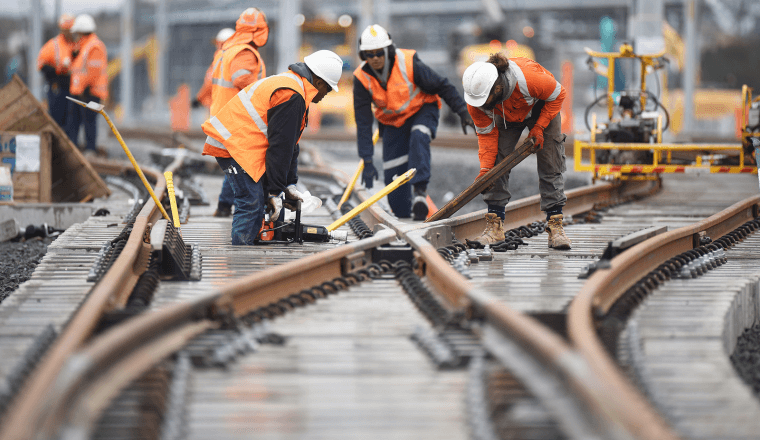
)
(403, 98)
(57, 53)
(240, 127)
(530, 83)
(89, 68)
(223, 82)
(204, 94)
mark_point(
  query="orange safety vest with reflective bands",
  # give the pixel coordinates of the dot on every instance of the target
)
(240, 127)
(402, 98)
(89, 68)
(57, 53)
(222, 86)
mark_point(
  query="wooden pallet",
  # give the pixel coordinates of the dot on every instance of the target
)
(72, 178)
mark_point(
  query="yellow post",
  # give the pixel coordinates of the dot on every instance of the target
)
(94, 106)
(350, 187)
(172, 199)
(407, 176)
(351, 184)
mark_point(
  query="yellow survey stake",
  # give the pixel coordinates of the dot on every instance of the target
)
(94, 106)
(172, 198)
(407, 176)
(350, 187)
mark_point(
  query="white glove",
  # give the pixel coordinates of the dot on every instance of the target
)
(274, 206)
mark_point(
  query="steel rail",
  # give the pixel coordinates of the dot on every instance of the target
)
(118, 345)
(606, 286)
(25, 415)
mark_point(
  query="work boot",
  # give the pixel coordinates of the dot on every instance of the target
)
(494, 231)
(223, 210)
(419, 206)
(557, 237)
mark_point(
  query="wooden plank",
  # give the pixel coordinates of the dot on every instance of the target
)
(485, 181)
(46, 166)
(26, 187)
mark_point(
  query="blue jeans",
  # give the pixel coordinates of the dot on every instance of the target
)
(408, 147)
(227, 196)
(58, 104)
(78, 115)
(249, 202)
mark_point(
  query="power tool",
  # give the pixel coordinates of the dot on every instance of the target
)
(281, 232)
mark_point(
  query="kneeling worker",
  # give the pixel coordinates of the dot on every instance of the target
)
(504, 96)
(260, 129)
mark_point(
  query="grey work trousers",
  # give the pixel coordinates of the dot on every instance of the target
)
(550, 164)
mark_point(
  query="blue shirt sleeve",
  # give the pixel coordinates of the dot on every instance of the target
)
(364, 119)
(433, 84)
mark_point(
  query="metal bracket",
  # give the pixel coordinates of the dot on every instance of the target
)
(618, 246)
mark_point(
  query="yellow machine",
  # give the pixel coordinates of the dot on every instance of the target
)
(628, 145)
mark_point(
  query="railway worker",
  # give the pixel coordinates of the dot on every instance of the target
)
(89, 81)
(203, 98)
(237, 65)
(505, 96)
(255, 136)
(54, 60)
(407, 97)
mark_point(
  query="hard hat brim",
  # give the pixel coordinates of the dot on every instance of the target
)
(475, 101)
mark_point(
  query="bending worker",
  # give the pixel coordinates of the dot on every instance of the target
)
(89, 81)
(54, 61)
(258, 131)
(407, 97)
(505, 96)
(203, 98)
(238, 64)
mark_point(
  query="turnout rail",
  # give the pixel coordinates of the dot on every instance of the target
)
(587, 393)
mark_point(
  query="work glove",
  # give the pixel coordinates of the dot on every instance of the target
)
(293, 194)
(537, 132)
(482, 173)
(195, 103)
(466, 120)
(274, 206)
(369, 174)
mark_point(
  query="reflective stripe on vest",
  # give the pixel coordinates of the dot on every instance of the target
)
(245, 98)
(489, 128)
(223, 86)
(215, 143)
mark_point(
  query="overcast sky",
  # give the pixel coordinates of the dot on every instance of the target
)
(21, 7)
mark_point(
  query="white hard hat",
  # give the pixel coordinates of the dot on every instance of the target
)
(84, 23)
(374, 37)
(477, 82)
(326, 65)
(224, 35)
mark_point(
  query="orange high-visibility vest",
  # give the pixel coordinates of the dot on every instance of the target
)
(204, 94)
(57, 53)
(402, 98)
(222, 86)
(240, 127)
(89, 68)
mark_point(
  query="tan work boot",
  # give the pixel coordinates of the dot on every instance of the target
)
(557, 237)
(494, 231)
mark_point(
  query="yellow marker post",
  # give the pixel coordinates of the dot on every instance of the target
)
(350, 187)
(172, 198)
(351, 184)
(407, 176)
(94, 106)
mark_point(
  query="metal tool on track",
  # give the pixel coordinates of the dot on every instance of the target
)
(485, 181)
(280, 232)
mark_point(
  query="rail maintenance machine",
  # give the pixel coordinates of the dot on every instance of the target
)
(628, 146)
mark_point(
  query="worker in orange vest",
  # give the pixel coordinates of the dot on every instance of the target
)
(238, 64)
(407, 97)
(54, 61)
(203, 98)
(89, 81)
(505, 96)
(255, 136)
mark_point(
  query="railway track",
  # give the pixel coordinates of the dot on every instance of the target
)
(402, 332)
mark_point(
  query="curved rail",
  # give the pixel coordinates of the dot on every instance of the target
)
(140, 342)
(606, 286)
(110, 292)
